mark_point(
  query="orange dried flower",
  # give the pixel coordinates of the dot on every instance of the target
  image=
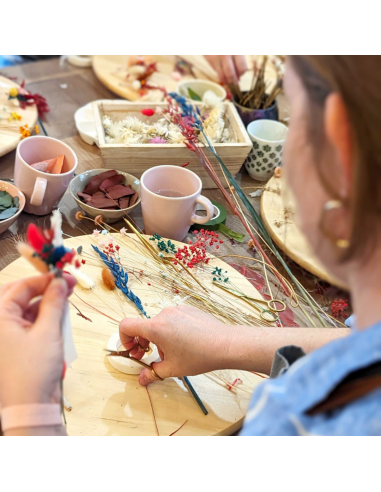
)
(36, 129)
(79, 216)
(251, 244)
(25, 133)
(108, 279)
(98, 219)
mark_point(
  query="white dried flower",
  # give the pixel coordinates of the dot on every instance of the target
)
(210, 100)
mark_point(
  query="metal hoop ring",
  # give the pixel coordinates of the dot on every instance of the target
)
(275, 302)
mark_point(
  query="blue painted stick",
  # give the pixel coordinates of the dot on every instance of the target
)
(195, 396)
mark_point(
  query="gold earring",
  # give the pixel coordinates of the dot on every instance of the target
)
(335, 205)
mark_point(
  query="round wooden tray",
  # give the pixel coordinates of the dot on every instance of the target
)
(111, 71)
(9, 138)
(106, 402)
(278, 210)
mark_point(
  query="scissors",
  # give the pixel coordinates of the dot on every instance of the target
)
(127, 355)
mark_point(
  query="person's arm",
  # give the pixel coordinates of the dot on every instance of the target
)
(253, 349)
(228, 67)
(31, 351)
(191, 342)
(58, 430)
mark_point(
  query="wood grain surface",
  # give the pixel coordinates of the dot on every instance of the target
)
(10, 134)
(278, 214)
(111, 70)
(106, 402)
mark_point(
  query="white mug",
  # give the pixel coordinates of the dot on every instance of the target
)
(43, 191)
(268, 139)
(170, 195)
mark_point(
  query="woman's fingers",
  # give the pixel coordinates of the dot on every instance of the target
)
(162, 369)
(52, 305)
(19, 294)
(240, 64)
(230, 74)
(229, 67)
(130, 328)
(141, 346)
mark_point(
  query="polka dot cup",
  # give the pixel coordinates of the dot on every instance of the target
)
(268, 140)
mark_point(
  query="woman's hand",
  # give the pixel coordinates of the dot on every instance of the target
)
(229, 67)
(190, 342)
(31, 347)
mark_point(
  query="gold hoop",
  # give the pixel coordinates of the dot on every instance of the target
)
(157, 377)
(334, 205)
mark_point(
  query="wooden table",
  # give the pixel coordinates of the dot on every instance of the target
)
(66, 89)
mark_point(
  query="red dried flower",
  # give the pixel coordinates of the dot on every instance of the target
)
(339, 308)
(148, 112)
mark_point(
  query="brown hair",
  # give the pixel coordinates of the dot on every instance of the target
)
(358, 80)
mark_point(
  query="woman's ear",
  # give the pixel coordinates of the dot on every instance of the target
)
(339, 134)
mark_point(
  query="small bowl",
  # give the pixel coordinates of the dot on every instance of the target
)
(13, 191)
(79, 183)
(200, 87)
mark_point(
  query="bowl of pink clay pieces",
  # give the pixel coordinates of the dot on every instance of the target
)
(112, 194)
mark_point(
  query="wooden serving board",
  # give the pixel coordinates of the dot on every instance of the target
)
(276, 200)
(9, 131)
(111, 71)
(106, 402)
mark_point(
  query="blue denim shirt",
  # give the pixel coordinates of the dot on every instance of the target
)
(279, 406)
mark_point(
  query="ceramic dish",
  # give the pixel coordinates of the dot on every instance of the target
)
(79, 183)
(200, 87)
(13, 191)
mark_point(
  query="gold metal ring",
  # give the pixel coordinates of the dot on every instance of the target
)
(148, 349)
(157, 377)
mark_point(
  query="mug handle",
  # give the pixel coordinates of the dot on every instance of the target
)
(207, 204)
(38, 192)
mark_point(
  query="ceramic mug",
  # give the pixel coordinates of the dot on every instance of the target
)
(169, 196)
(268, 139)
(43, 191)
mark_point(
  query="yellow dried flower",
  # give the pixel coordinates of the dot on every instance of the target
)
(13, 92)
(36, 129)
(15, 116)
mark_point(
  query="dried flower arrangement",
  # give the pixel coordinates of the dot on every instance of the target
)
(257, 97)
(22, 98)
(131, 130)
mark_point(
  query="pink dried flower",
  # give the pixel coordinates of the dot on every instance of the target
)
(158, 140)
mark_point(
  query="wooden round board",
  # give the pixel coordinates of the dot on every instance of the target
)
(106, 402)
(9, 131)
(278, 211)
(111, 71)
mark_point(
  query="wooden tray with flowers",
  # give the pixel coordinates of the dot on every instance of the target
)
(136, 158)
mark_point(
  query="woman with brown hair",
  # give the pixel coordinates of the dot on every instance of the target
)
(332, 162)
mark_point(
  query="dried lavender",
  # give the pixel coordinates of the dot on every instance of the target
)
(121, 280)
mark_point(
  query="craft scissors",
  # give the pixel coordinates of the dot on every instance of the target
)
(127, 355)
